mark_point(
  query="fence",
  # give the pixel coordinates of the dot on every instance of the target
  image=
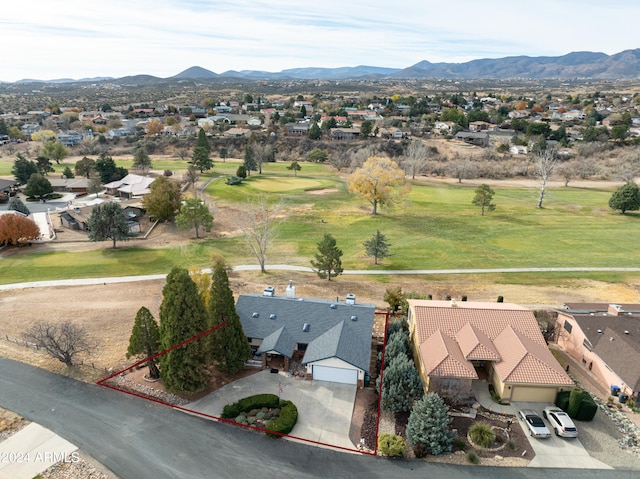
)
(30, 345)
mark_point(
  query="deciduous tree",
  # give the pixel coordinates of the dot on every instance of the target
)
(545, 163)
(626, 198)
(145, 339)
(194, 214)
(428, 429)
(415, 158)
(182, 317)
(259, 223)
(229, 347)
(163, 200)
(377, 247)
(62, 341)
(54, 150)
(379, 181)
(108, 221)
(16, 229)
(38, 186)
(295, 167)
(154, 127)
(327, 260)
(483, 198)
(85, 167)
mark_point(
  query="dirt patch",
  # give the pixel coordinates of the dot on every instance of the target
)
(323, 191)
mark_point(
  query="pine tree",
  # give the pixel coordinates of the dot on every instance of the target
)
(145, 339)
(229, 346)
(182, 316)
(328, 262)
(200, 158)
(401, 385)
(397, 344)
(377, 247)
(142, 161)
(428, 427)
(16, 204)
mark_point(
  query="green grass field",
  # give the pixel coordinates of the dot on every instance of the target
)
(434, 227)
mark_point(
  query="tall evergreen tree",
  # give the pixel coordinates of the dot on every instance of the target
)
(182, 316)
(145, 339)
(401, 385)
(377, 246)
(22, 169)
(428, 427)
(142, 161)
(200, 158)
(229, 346)
(16, 204)
(249, 160)
(328, 262)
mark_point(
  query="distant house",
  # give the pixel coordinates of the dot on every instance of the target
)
(130, 186)
(120, 132)
(70, 185)
(237, 132)
(69, 138)
(395, 133)
(456, 343)
(443, 126)
(604, 338)
(352, 133)
(518, 150)
(473, 138)
(332, 340)
(298, 129)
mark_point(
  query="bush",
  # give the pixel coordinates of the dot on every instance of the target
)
(284, 423)
(247, 404)
(482, 434)
(500, 299)
(233, 180)
(473, 458)
(391, 445)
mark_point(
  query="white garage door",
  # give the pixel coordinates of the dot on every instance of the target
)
(336, 375)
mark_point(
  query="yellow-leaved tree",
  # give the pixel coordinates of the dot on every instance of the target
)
(380, 181)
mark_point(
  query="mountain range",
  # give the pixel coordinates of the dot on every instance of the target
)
(583, 65)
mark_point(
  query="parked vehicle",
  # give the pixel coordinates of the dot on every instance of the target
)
(534, 423)
(560, 421)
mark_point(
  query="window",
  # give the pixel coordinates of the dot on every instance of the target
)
(568, 326)
(587, 344)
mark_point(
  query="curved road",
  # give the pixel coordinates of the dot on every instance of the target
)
(284, 267)
(139, 439)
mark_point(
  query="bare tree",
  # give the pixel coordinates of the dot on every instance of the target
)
(340, 160)
(545, 162)
(62, 341)
(415, 159)
(191, 177)
(259, 223)
(262, 154)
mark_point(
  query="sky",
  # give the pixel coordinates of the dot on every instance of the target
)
(47, 39)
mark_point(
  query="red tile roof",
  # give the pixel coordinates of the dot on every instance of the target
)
(443, 358)
(505, 333)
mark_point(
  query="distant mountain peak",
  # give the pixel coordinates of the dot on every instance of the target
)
(195, 73)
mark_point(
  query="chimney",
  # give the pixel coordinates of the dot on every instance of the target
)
(453, 303)
(350, 298)
(290, 291)
(269, 291)
(615, 309)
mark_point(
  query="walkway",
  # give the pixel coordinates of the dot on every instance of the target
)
(284, 267)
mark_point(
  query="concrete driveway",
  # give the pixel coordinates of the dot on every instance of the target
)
(556, 451)
(324, 408)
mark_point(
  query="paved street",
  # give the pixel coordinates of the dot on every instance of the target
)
(139, 439)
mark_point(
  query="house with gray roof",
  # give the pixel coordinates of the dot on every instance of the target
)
(331, 339)
(603, 338)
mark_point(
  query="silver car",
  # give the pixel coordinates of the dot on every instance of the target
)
(560, 421)
(534, 423)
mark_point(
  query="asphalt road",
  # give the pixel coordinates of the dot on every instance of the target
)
(139, 439)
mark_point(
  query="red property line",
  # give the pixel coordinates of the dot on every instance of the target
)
(103, 381)
(384, 347)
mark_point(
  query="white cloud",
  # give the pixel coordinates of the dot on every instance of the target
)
(81, 39)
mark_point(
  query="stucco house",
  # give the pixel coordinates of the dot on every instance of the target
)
(332, 340)
(604, 339)
(456, 343)
(130, 186)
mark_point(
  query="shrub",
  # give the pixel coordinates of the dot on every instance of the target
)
(511, 445)
(482, 434)
(391, 445)
(473, 458)
(233, 180)
(247, 404)
(459, 444)
(500, 299)
(428, 425)
(241, 419)
(284, 423)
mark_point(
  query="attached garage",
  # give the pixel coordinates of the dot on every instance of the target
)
(533, 394)
(336, 375)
